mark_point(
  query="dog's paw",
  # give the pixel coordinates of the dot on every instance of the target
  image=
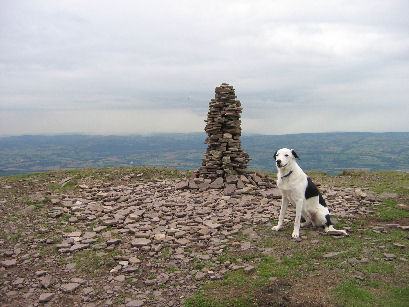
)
(296, 234)
(276, 228)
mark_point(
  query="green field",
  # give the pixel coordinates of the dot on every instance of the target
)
(327, 152)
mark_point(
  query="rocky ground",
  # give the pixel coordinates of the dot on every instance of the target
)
(124, 238)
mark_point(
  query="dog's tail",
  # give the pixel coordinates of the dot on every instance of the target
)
(329, 228)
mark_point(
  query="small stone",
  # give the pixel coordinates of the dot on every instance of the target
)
(183, 242)
(180, 234)
(398, 245)
(78, 247)
(150, 282)
(135, 303)
(130, 269)
(232, 179)
(160, 237)
(229, 189)
(390, 257)
(99, 228)
(70, 287)
(73, 234)
(212, 225)
(46, 297)
(73, 219)
(182, 185)
(204, 231)
(89, 235)
(394, 226)
(113, 242)
(120, 278)
(360, 276)
(249, 269)
(18, 281)
(140, 242)
(200, 275)
(134, 260)
(236, 267)
(402, 206)
(245, 246)
(332, 254)
(9, 253)
(192, 184)
(9, 263)
(218, 183)
(359, 193)
(40, 273)
(78, 280)
(45, 281)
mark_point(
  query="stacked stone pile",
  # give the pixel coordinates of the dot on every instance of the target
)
(225, 162)
(224, 155)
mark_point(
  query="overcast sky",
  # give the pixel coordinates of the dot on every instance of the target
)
(124, 67)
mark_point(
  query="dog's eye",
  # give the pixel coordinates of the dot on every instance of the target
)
(286, 155)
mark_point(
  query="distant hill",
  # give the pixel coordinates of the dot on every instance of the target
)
(327, 152)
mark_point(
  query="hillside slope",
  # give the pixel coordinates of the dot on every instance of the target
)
(128, 237)
(327, 152)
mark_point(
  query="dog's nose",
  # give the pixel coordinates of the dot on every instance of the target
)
(278, 162)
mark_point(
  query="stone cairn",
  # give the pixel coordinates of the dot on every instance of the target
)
(225, 162)
(224, 155)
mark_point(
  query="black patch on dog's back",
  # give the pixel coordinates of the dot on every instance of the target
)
(311, 189)
(322, 201)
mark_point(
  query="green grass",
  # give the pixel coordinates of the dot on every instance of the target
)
(35, 204)
(355, 293)
(378, 182)
(90, 262)
(351, 293)
(388, 211)
(305, 261)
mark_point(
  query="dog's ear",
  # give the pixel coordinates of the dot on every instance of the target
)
(294, 154)
(275, 155)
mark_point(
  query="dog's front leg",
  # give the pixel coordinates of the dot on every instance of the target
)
(283, 210)
(297, 222)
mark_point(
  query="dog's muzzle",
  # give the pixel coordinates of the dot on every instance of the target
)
(279, 164)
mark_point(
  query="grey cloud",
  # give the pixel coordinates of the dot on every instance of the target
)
(161, 55)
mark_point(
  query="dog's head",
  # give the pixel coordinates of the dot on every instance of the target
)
(285, 157)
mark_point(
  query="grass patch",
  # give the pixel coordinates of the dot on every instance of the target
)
(388, 211)
(35, 204)
(355, 293)
(351, 293)
(94, 262)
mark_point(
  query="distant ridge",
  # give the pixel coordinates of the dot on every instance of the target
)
(327, 152)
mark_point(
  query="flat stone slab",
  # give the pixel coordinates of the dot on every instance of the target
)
(70, 287)
(332, 254)
(9, 263)
(46, 297)
(140, 242)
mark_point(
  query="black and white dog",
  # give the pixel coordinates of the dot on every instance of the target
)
(298, 189)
